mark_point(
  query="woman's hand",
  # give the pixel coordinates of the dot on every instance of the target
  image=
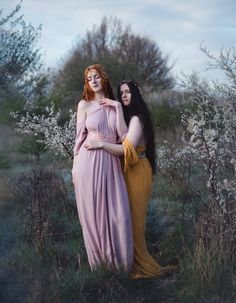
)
(93, 144)
(108, 102)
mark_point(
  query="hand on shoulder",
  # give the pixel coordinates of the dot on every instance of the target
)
(109, 102)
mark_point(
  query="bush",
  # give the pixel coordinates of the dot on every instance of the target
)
(165, 116)
(4, 161)
(30, 146)
(10, 105)
(51, 257)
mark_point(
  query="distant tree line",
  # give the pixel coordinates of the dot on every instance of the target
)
(124, 55)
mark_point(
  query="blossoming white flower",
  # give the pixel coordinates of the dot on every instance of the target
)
(210, 140)
(56, 137)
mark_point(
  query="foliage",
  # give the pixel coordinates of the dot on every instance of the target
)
(50, 241)
(32, 146)
(4, 160)
(42, 196)
(209, 143)
(124, 55)
(225, 61)
(212, 137)
(20, 62)
(57, 134)
(51, 258)
(20, 59)
(10, 104)
(164, 116)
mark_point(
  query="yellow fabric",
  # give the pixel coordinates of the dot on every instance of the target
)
(138, 178)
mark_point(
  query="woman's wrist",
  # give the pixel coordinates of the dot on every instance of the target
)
(117, 104)
(103, 145)
(100, 144)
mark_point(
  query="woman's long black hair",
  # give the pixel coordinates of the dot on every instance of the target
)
(138, 107)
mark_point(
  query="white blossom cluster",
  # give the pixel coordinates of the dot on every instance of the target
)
(174, 161)
(209, 121)
(226, 193)
(212, 130)
(209, 141)
(57, 137)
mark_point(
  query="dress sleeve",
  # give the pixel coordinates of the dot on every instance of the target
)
(81, 131)
(130, 154)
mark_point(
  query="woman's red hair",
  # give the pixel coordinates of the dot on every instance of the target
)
(88, 94)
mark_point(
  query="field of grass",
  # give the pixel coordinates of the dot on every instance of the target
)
(42, 255)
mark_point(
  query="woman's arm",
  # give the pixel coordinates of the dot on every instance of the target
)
(81, 115)
(135, 131)
(120, 121)
(121, 125)
(81, 131)
(134, 135)
(115, 149)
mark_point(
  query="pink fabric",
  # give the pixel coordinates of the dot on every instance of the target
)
(101, 195)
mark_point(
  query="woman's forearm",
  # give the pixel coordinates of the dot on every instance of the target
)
(121, 125)
(115, 149)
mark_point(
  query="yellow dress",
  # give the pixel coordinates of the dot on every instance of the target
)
(138, 178)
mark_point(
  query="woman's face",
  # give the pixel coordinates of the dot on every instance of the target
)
(125, 94)
(94, 81)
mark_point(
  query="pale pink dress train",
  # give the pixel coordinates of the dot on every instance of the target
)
(101, 194)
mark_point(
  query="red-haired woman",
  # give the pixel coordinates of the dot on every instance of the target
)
(101, 194)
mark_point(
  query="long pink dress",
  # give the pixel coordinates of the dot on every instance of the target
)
(101, 194)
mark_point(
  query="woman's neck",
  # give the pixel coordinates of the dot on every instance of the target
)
(99, 95)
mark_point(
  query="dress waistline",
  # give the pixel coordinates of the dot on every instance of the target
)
(102, 136)
(141, 154)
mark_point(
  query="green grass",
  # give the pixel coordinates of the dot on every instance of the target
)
(59, 271)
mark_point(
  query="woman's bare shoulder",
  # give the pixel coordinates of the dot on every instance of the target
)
(83, 104)
(82, 107)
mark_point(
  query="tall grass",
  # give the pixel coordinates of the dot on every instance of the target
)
(51, 259)
(192, 225)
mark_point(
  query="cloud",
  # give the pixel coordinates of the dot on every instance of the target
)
(178, 27)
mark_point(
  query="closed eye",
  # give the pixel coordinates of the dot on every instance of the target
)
(125, 92)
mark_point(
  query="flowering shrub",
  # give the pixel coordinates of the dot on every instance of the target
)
(211, 130)
(174, 162)
(57, 137)
(209, 142)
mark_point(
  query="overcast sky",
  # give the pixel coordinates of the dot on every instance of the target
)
(178, 27)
